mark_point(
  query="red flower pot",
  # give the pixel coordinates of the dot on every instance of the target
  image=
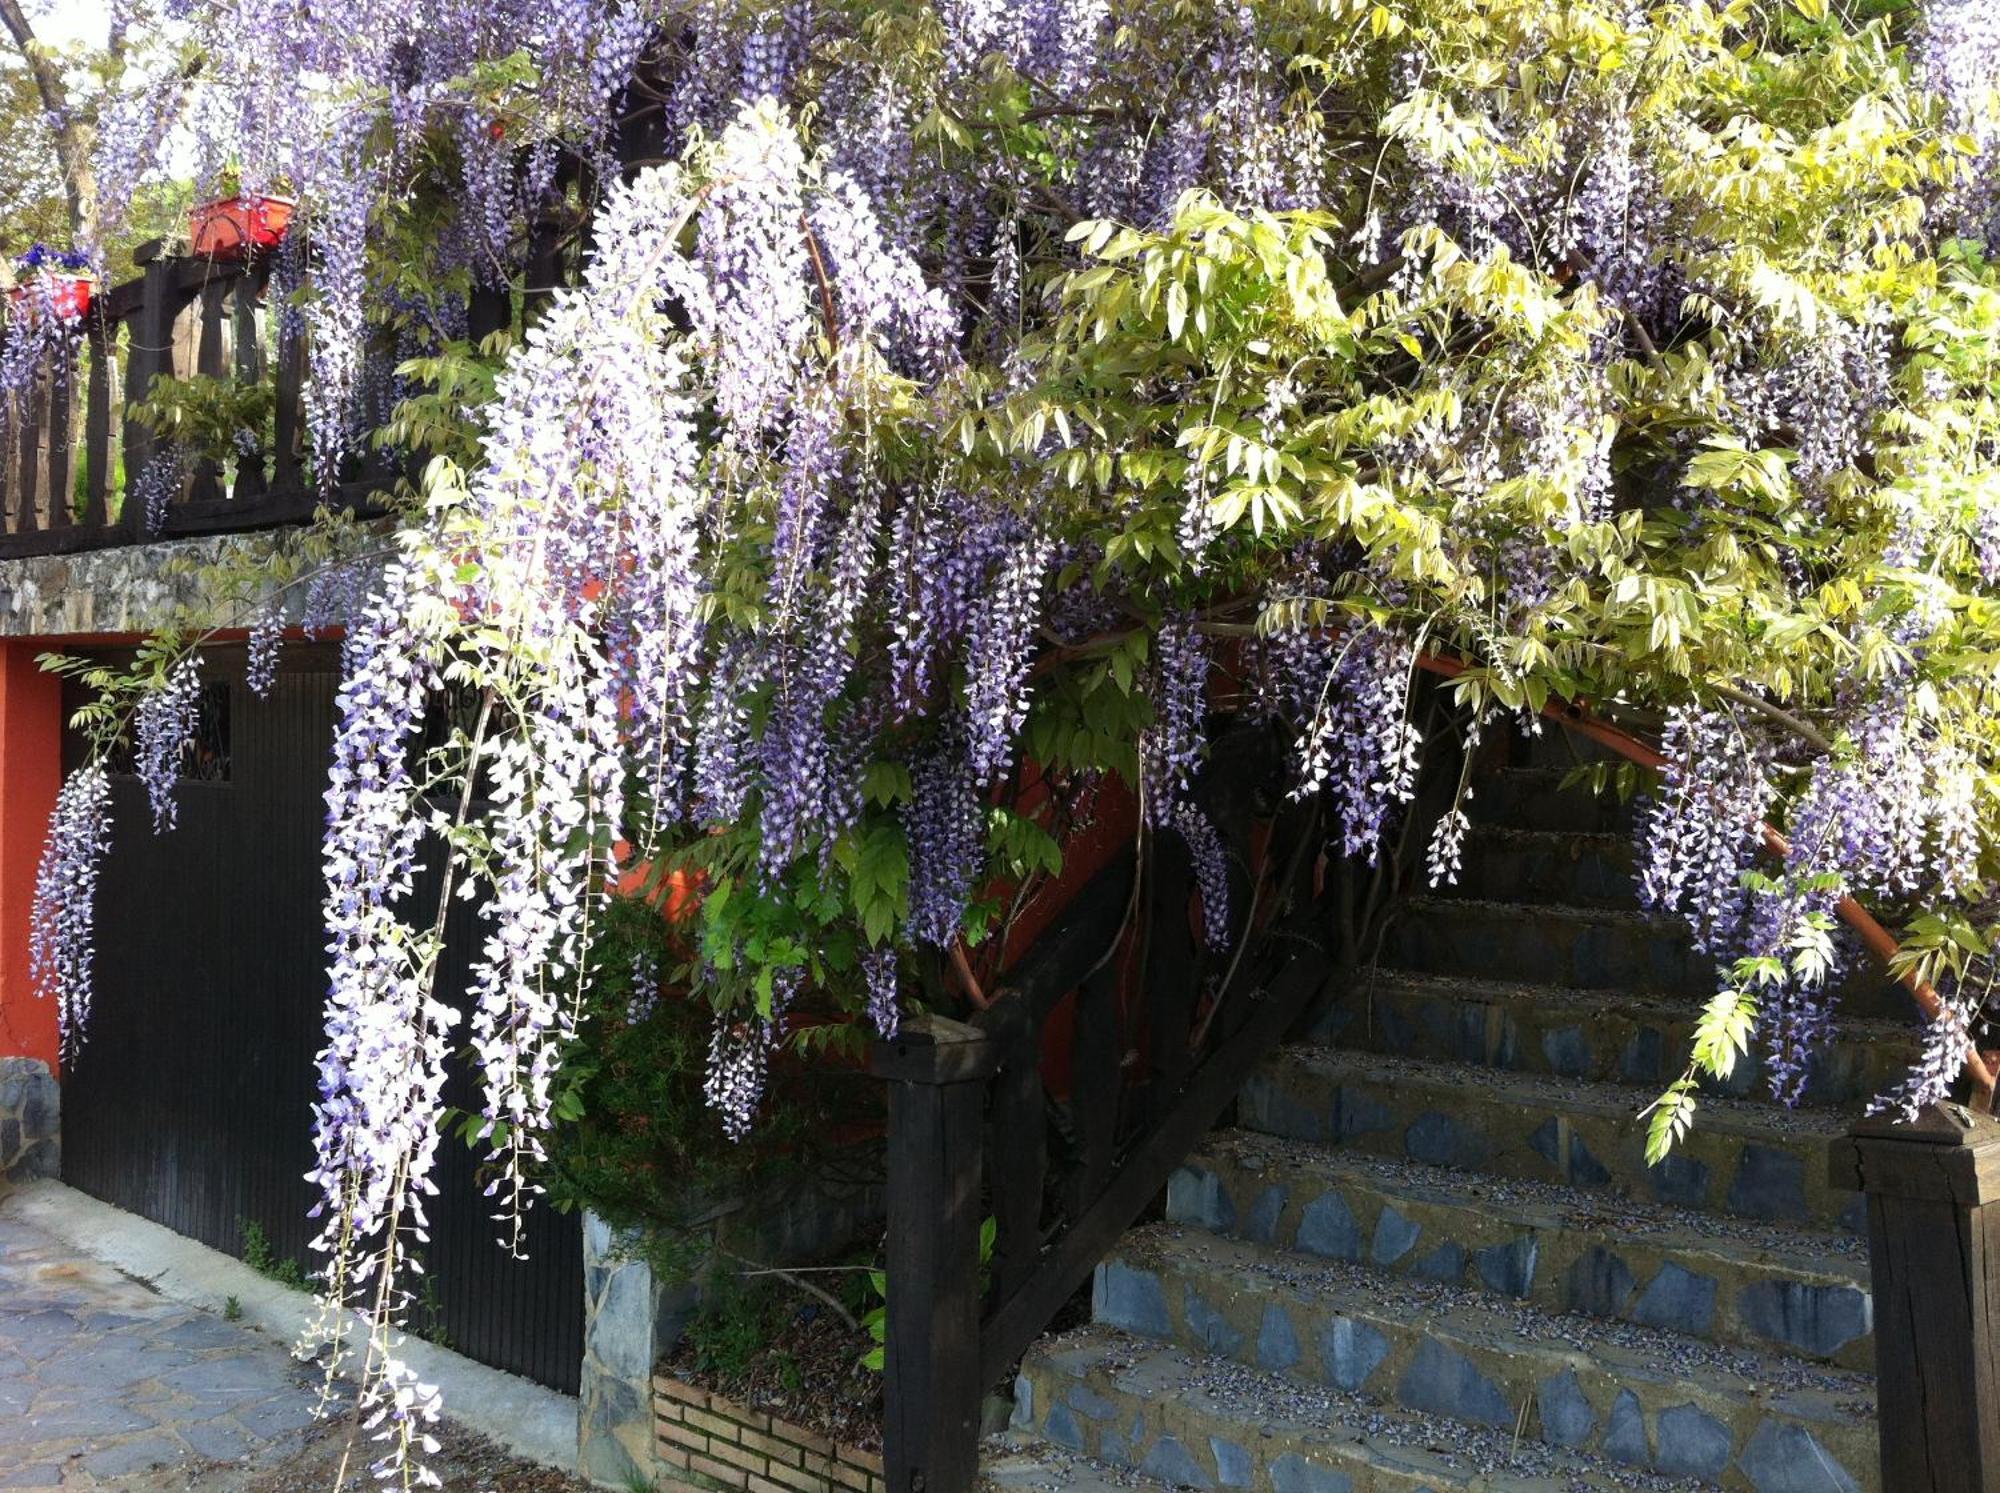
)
(236, 226)
(69, 295)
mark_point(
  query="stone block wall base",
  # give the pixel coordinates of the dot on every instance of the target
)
(621, 1308)
(30, 1120)
(707, 1441)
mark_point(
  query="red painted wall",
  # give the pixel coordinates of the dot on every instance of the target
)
(30, 774)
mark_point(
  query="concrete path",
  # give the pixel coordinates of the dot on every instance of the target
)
(106, 1384)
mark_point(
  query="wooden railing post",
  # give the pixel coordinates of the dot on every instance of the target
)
(1933, 1189)
(936, 1071)
(151, 352)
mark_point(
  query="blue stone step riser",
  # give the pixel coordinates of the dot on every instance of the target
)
(1622, 1408)
(1534, 798)
(1546, 946)
(1644, 1044)
(1157, 1412)
(1572, 871)
(1777, 1175)
(1673, 1284)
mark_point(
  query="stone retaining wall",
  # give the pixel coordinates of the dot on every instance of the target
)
(30, 1120)
(712, 1442)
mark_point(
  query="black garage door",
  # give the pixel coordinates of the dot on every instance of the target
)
(190, 1102)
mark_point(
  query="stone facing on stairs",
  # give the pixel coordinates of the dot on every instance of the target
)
(1626, 1393)
(1726, 1280)
(1747, 1159)
(1432, 1256)
(1211, 1423)
(1599, 1035)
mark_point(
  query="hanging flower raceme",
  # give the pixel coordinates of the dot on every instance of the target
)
(63, 925)
(1700, 834)
(1359, 746)
(162, 727)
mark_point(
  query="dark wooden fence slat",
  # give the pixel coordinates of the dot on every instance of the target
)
(246, 297)
(210, 310)
(97, 424)
(1173, 974)
(1094, 1082)
(1019, 1147)
(62, 376)
(289, 423)
(28, 456)
(150, 354)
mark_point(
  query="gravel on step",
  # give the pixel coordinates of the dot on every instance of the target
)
(1345, 1287)
(1572, 1207)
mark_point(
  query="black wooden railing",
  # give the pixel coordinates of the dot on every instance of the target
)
(974, 1134)
(71, 433)
(71, 452)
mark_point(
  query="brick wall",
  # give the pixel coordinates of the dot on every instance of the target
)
(709, 1441)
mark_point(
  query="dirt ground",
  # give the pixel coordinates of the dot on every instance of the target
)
(466, 1463)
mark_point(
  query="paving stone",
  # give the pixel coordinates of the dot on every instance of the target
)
(1169, 1461)
(1601, 1284)
(1211, 1329)
(38, 1475)
(1329, 1228)
(1692, 1443)
(1813, 1319)
(1568, 1052)
(1351, 1351)
(1277, 1344)
(1395, 1236)
(94, 1368)
(1260, 1224)
(1060, 1427)
(1196, 1196)
(1567, 1419)
(1292, 1473)
(1445, 1263)
(131, 1457)
(1443, 1382)
(1786, 1458)
(1769, 1184)
(1131, 1299)
(1088, 1403)
(1680, 1179)
(1438, 1139)
(1677, 1300)
(98, 1418)
(1233, 1467)
(1509, 1268)
(1625, 1431)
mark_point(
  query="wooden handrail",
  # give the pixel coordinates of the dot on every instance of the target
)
(1879, 941)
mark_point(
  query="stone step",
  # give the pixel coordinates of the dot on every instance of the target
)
(1018, 1463)
(1202, 1421)
(1755, 1285)
(1608, 1036)
(1584, 948)
(1545, 865)
(1743, 1158)
(1544, 798)
(1658, 1400)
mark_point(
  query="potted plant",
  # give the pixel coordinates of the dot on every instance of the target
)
(60, 276)
(238, 224)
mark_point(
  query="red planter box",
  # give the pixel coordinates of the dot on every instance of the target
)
(236, 226)
(70, 295)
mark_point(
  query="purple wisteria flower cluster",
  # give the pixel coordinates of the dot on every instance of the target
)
(1699, 835)
(62, 934)
(162, 726)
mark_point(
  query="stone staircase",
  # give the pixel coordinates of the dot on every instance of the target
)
(1432, 1256)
